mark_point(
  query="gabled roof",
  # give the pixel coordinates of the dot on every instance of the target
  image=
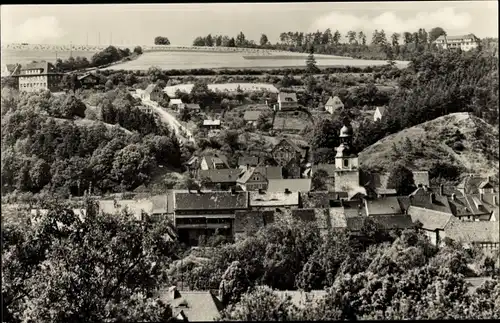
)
(215, 159)
(46, 67)
(383, 206)
(250, 220)
(150, 88)
(258, 199)
(294, 185)
(271, 172)
(333, 100)
(252, 115)
(248, 160)
(285, 97)
(439, 203)
(210, 200)
(471, 184)
(459, 37)
(247, 175)
(430, 220)
(293, 144)
(197, 306)
(473, 231)
(12, 69)
(226, 175)
(381, 110)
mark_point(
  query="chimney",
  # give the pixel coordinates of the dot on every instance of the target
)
(433, 198)
(441, 189)
(287, 191)
(453, 196)
(495, 200)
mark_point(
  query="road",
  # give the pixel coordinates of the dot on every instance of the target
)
(169, 119)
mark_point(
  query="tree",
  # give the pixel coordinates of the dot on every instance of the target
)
(231, 43)
(109, 85)
(435, 33)
(241, 40)
(362, 38)
(351, 37)
(234, 284)
(311, 62)
(318, 180)
(336, 37)
(53, 269)
(209, 41)
(401, 179)
(73, 107)
(263, 40)
(70, 82)
(185, 115)
(159, 40)
(138, 50)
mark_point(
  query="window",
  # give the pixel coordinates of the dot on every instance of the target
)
(346, 163)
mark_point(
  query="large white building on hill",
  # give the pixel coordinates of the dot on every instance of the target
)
(464, 42)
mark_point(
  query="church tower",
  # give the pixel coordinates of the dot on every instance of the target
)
(346, 162)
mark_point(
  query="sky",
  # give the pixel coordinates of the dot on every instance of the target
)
(130, 24)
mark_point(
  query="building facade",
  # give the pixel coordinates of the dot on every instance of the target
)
(464, 42)
(346, 163)
(39, 76)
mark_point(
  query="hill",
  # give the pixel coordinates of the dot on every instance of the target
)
(458, 139)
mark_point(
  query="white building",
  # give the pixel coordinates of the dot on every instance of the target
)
(334, 103)
(379, 113)
(464, 42)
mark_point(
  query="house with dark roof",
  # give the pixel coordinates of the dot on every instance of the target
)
(287, 101)
(252, 179)
(153, 93)
(484, 234)
(333, 104)
(39, 76)
(191, 107)
(289, 155)
(472, 207)
(219, 179)
(200, 213)
(89, 81)
(191, 306)
(250, 221)
(383, 206)
(476, 184)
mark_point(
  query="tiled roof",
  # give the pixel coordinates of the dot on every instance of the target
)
(246, 175)
(271, 172)
(274, 199)
(431, 220)
(197, 306)
(294, 185)
(320, 199)
(382, 206)
(404, 202)
(471, 184)
(248, 160)
(252, 115)
(227, 175)
(473, 231)
(439, 203)
(300, 298)
(136, 207)
(283, 96)
(210, 200)
(46, 67)
(247, 220)
(333, 100)
(469, 205)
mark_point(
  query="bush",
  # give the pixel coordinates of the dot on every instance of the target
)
(458, 146)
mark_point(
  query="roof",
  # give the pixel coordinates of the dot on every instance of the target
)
(471, 184)
(162, 203)
(211, 122)
(136, 207)
(81, 77)
(293, 144)
(294, 185)
(286, 96)
(246, 175)
(215, 159)
(252, 115)
(429, 219)
(247, 220)
(385, 191)
(383, 206)
(472, 231)
(193, 106)
(176, 101)
(150, 88)
(388, 222)
(335, 100)
(210, 200)
(299, 298)
(475, 282)
(248, 160)
(271, 172)
(11, 69)
(320, 199)
(196, 305)
(337, 217)
(468, 205)
(274, 199)
(46, 67)
(225, 175)
(381, 109)
(439, 203)
(459, 37)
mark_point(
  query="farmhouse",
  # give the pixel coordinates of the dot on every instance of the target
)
(252, 180)
(290, 156)
(153, 93)
(89, 81)
(287, 101)
(333, 104)
(176, 104)
(211, 124)
(39, 76)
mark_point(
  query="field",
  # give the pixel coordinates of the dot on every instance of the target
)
(12, 56)
(229, 87)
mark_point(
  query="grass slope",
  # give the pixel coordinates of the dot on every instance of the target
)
(474, 147)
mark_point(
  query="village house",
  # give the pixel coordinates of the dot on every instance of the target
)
(252, 116)
(290, 156)
(39, 76)
(252, 180)
(219, 179)
(89, 81)
(333, 104)
(200, 213)
(152, 93)
(472, 208)
(473, 184)
(191, 107)
(379, 113)
(191, 306)
(383, 206)
(464, 42)
(484, 235)
(287, 101)
(216, 161)
(176, 104)
(212, 124)
(273, 201)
